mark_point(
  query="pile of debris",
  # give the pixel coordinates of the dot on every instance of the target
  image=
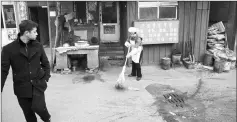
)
(218, 53)
(216, 36)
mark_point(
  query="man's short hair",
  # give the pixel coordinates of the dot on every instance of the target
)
(27, 25)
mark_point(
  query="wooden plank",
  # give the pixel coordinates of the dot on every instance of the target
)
(197, 34)
(154, 53)
(136, 9)
(145, 55)
(168, 49)
(231, 25)
(192, 21)
(205, 4)
(157, 54)
(150, 54)
(132, 14)
(203, 37)
(209, 5)
(199, 4)
(207, 25)
(162, 51)
(186, 26)
(181, 25)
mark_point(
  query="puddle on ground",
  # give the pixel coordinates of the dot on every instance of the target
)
(87, 78)
(192, 110)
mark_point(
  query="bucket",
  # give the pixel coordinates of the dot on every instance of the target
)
(219, 66)
(165, 63)
(176, 58)
(208, 59)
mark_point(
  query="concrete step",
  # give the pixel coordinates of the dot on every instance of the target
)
(111, 48)
(110, 45)
(111, 53)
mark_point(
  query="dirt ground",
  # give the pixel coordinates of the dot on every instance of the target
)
(69, 99)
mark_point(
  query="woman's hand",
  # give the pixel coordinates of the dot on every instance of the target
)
(127, 44)
(128, 56)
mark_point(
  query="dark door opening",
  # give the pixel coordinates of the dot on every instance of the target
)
(225, 11)
(40, 16)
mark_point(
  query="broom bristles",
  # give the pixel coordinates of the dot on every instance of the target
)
(120, 81)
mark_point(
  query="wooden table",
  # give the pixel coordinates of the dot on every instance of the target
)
(62, 60)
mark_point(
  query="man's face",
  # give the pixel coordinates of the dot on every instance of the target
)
(32, 34)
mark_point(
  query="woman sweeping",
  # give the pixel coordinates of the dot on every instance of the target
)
(135, 44)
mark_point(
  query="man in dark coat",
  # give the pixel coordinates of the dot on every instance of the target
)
(30, 70)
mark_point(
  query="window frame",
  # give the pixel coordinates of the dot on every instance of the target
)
(176, 12)
(75, 7)
(15, 15)
(157, 4)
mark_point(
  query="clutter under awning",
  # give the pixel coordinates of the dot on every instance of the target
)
(217, 49)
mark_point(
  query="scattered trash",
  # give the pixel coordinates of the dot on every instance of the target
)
(66, 71)
(172, 113)
(92, 70)
(208, 67)
(134, 89)
(183, 117)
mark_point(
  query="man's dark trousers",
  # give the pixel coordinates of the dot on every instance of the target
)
(33, 105)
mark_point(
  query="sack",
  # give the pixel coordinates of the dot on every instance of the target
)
(227, 66)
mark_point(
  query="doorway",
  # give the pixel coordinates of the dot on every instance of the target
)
(225, 11)
(40, 16)
(109, 22)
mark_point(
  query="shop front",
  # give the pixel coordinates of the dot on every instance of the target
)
(167, 27)
(12, 14)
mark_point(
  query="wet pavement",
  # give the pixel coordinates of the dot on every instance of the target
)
(70, 99)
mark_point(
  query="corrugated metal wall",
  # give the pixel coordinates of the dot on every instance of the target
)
(193, 16)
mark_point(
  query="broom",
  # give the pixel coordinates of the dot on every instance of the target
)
(121, 79)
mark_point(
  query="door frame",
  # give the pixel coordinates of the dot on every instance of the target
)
(4, 33)
(118, 29)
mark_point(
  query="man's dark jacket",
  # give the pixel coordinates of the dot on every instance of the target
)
(30, 67)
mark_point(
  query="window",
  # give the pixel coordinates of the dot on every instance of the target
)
(157, 10)
(86, 12)
(9, 16)
(109, 12)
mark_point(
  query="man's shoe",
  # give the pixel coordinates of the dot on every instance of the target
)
(139, 78)
(131, 75)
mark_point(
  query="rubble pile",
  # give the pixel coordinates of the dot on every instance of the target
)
(216, 38)
(217, 46)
